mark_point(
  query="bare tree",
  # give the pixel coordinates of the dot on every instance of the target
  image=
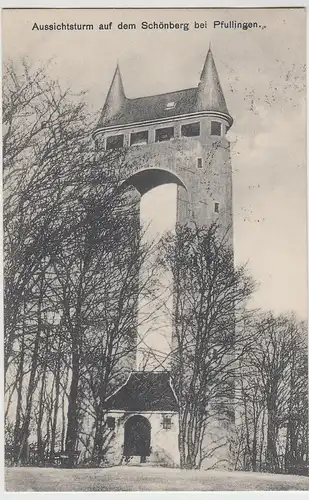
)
(273, 403)
(73, 254)
(44, 130)
(209, 295)
(97, 282)
(43, 127)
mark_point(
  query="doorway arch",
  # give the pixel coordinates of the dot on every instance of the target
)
(137, 436)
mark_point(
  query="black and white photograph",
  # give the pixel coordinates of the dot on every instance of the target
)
(155, 249)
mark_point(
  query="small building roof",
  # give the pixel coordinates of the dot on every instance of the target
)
(144, 391)
(207, 96)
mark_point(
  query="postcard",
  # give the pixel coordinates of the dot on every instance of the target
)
(155, 249)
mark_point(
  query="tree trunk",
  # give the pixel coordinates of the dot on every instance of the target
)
(262, 439)
(56, 407)
(271, 446)
(20, 377)
(63, 422)
(23, 449)
(182, 443)
(72, 417)
(40, 441)
(98, 445)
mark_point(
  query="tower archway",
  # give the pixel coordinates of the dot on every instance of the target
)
(148, 178)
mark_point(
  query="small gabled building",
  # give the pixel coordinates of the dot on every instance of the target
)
(142, 417)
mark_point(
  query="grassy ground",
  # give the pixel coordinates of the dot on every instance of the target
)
(128, 478)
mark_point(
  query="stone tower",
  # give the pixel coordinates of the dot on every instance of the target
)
(176, 137)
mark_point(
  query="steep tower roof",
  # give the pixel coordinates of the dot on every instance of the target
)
(115, 98)
(207, 96)
(210, 95)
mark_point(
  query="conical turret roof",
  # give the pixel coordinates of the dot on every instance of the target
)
(115, 98)
(210, 95)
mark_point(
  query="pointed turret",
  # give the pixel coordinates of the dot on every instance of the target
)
(210, 95)
(115, 98)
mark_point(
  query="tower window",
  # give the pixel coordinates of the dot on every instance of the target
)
(170, 105)
(200, 163)
(216, 207)
(216, 128)
(164, 134)
(114, 141)
(190, 129)
(139, 138)
(167, 422)
(110, 423)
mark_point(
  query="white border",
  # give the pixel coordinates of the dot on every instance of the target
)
(150, 4)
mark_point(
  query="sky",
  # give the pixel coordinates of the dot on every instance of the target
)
(262, 73)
